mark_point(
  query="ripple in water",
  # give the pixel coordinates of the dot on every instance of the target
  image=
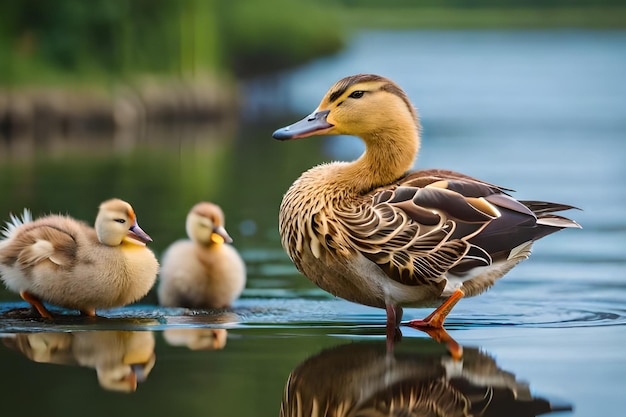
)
(542, 315)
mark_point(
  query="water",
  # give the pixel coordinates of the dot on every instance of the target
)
(541, 112)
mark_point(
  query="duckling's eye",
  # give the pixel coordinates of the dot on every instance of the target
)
(120, 220)
(356, 94)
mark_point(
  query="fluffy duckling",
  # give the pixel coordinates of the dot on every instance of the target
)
(65, 262)
(373, 233)
(202, 271)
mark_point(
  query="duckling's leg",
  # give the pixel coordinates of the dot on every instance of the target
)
(436, 318)
(36, 302)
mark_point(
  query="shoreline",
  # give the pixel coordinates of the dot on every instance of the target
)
(49, 111)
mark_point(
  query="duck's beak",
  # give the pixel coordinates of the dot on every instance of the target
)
(220, 235)
(135, 233)
(313, 124)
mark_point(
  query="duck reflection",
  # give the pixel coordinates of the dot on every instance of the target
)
(121, 358)
(200, 338)
(362, 379)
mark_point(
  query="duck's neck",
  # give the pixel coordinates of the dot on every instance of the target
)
(388, 155)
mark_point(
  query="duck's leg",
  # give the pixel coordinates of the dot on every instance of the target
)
(36, 302)
(436, 318)
(394, 316)
(433, 324)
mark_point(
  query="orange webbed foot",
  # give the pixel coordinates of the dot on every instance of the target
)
(88, 313)
(37, 304)
(433, 324)
(436, 318)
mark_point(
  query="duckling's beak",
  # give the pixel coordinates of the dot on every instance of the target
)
(220, 235)
(313, 124)
(135, 233)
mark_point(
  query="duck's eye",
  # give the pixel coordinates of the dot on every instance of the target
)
(120, 220)
(356, 94)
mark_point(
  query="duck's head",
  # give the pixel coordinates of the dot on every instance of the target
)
(361, 105)
(116, 223)
(205, 224)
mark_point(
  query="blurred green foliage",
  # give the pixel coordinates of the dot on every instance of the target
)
(514, 4)
(82, 41)
(484, 14)
(265, 36)
(47, 41)
(44, 41)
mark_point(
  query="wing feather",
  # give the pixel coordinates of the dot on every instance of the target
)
(37, 243)
(432, 222)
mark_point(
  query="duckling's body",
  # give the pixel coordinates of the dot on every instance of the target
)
(371, 233)
(65, 262)
(202, 271)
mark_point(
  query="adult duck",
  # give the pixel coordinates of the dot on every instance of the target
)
(371, 232)
(65, 262)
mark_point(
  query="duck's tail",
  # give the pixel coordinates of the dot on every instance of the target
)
(15, 222)
(547, 221)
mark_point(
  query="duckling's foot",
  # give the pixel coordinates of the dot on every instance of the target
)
(91, 312)
(36, 302)
(437, 317)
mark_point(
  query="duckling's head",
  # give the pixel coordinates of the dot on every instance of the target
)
(116, 222)
(364, 105)
(205, 224)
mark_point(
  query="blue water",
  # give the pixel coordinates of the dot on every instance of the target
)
(542, 112)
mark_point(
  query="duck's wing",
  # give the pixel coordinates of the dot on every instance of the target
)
(434, 222)
(49, 239)
(471, 185)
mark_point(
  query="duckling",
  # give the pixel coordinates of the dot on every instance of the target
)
(371, 232)
(65, 262)
(203, 271)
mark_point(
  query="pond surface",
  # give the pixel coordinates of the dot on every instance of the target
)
(541, 112)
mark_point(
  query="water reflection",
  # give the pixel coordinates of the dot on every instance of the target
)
(121, 359)
(196, 338)
(361, 379)
(26, 146)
